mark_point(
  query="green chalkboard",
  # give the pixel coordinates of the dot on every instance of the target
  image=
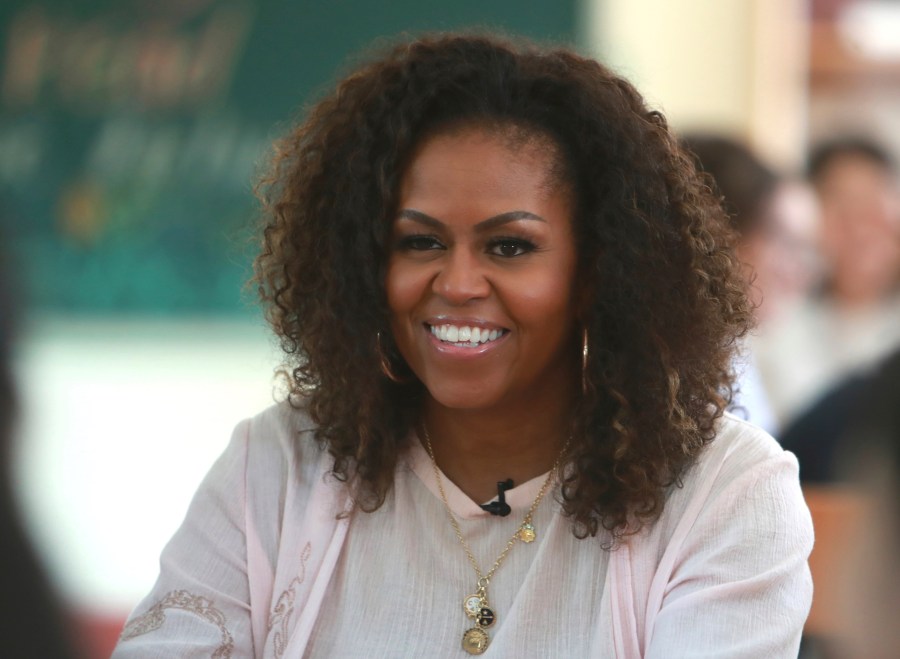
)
(130, 131)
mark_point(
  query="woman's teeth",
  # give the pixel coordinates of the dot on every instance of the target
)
(465, 336)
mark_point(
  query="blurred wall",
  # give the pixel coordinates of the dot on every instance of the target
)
(726, 65)
(130, 131)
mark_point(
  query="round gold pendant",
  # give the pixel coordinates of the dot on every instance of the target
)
(475, 640)
(526, 533)
(472, 605)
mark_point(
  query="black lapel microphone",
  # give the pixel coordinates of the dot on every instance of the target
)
(500, 507)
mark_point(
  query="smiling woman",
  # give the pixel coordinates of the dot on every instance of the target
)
(494, 275)
(501, 262)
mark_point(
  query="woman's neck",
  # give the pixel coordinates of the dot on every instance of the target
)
(476, 449)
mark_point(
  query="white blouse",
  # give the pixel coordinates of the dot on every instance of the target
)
(403, 575)
(263, 567)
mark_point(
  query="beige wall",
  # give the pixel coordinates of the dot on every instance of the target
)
(737, 66)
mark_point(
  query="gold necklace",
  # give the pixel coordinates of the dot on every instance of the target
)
(477, 606)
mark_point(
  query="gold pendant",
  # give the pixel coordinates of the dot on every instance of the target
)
(472, 605)
(526, 533)
(475, 640)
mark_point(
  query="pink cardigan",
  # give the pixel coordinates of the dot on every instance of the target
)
(723, 572)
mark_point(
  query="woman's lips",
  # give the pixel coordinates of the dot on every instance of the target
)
(460, 338)
(465, 335)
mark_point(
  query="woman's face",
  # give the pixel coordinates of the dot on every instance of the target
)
(481, 272)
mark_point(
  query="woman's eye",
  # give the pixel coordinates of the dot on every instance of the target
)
(509, 247)
(418, 243)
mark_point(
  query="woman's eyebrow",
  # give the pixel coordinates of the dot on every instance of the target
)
(484, 225)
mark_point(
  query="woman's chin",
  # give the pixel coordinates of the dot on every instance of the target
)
(463, 396)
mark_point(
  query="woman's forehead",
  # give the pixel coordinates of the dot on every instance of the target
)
(523, 142)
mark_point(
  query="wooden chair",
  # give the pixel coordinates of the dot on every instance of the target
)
(839, 515)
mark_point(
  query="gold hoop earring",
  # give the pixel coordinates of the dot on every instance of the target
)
(385, 363)
(585, 351)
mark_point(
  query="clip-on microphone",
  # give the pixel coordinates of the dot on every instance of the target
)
(500, 507)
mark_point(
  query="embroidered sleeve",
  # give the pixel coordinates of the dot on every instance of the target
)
(182, 600)
(200, 605)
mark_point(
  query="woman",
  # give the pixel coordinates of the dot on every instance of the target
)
(489, 263)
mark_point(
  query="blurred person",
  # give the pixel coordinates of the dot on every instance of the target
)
(849, 451)
(848, 446)
(509, 306)
(31, 619)
(775, 219)
(860, 239)
(853, 319)
(869, 460)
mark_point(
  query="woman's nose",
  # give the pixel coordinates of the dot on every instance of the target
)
(461, 278)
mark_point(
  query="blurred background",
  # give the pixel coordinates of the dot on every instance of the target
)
(130, 131)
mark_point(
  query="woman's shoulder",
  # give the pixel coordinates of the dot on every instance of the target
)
(740, 454)
(729, 468)
(280, 439)
(731, 545)
(741, 444)
(743, 490)
(742, 467)
(284, 420)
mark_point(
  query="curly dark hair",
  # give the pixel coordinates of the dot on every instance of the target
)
(666, 301)
(745, 182)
